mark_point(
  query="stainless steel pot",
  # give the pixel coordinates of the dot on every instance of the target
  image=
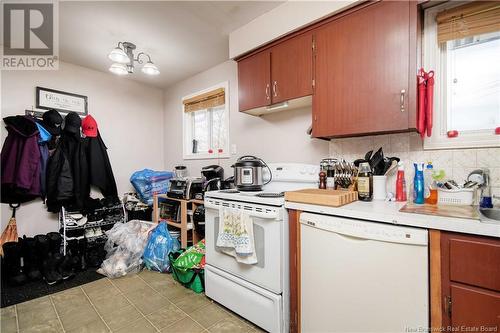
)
(248, 173)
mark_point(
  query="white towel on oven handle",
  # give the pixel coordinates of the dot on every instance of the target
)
(236, 236)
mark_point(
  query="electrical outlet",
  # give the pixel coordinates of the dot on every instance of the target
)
(233, 149)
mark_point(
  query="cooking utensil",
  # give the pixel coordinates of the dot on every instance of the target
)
(393, 166)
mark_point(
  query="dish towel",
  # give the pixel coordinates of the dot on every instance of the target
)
(236, 235)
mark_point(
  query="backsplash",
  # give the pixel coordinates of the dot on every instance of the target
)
(457, 163)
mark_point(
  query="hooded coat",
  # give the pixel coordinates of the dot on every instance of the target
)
(67, 174)
(100, 171)
(20, 161)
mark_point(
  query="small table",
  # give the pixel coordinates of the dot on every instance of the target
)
(184, 224)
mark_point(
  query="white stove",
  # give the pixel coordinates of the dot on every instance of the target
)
(258, 292)
(285, 177)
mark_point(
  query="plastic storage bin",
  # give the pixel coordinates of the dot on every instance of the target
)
(461, 197)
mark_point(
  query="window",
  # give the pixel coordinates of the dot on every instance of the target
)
(462, 46)
(206, 123)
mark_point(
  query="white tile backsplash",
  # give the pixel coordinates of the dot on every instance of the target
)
(456, 163)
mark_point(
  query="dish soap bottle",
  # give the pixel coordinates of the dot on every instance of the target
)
(430, 191)
(418, 183)
(401, 183)
(365, 182)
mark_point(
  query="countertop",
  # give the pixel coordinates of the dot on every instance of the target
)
(388, 212)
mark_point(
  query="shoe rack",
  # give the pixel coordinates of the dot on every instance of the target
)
(63, 221)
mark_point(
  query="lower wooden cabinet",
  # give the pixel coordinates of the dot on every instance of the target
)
(465, 282)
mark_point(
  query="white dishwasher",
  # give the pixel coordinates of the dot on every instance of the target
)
(359, 276)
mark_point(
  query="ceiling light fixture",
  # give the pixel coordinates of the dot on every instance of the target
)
(123, 57)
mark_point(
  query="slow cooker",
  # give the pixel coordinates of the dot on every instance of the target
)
(248, 175)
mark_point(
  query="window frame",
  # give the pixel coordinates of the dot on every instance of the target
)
(188, 123)
(434, 58)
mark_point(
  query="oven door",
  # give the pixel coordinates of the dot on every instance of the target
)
(268, 237)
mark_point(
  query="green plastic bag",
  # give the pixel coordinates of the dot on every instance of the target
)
(188, 267)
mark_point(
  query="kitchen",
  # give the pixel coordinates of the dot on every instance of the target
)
(310, 88)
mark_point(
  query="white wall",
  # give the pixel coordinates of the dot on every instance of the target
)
(129, 116)
(288, 17)
(278, 137)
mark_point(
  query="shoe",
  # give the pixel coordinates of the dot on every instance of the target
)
(12, 263)
(72, 233)
(70, 222)
(97, 232)
(89, 233)
(31, 259)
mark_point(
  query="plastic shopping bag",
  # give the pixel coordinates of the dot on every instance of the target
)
(148, 182)
(160, 244)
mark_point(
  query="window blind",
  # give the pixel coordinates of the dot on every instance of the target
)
(471, 19)
(207, 100)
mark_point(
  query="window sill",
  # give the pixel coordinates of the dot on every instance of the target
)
(205, 156)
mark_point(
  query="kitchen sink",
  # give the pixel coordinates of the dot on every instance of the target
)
(489, 215)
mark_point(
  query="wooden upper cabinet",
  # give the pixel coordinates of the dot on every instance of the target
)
(362, 71)
(292, 68)
(254, 81)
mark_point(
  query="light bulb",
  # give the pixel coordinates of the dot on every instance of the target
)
(150, 69)
(118, 69)
(119, 56)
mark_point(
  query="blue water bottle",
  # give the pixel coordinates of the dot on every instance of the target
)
(418, 183)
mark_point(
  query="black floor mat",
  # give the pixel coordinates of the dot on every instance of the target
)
(17, 294)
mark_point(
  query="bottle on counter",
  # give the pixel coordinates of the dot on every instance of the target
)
(430, 187)
(365, 182)
(401, 183)
(418, 183)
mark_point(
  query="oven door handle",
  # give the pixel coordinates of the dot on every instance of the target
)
(272, 213)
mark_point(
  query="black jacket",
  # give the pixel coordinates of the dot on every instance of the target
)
(67, 175)
(100, 172)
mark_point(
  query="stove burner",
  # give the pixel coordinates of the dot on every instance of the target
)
(270, 195)
(229, 191)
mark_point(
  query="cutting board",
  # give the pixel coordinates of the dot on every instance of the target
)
(315, 196)
(464, 212)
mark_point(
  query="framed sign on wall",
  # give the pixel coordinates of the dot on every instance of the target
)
(61, 101)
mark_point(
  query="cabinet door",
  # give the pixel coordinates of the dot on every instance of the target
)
(292, 68)
(474, 308)
(361, 71)
(254, 81)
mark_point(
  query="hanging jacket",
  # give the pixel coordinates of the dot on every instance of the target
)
(43, 141)
(20, 161)
(59, 181)
(100, 171)
(67, 175)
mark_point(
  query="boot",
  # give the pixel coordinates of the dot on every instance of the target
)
(31, 259)
(12, 263)
(50, 266)
(82, 254)
(55, 241)
(49, 262)
(66, 268)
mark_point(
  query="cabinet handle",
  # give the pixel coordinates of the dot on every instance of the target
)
(275, 88)
(267, 91)
(402, 99)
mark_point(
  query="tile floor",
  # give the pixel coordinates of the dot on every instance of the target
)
(144, 302)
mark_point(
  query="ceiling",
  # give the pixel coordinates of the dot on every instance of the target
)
(182, 37)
